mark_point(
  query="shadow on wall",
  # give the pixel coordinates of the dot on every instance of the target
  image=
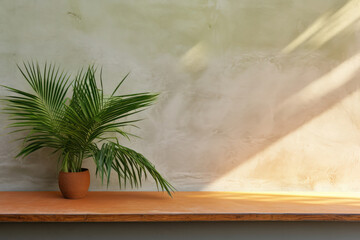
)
(265, 159)
(326, 27)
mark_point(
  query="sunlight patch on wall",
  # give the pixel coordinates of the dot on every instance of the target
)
(328, 83)
(304, 159)
(196, 58)
(326, 27)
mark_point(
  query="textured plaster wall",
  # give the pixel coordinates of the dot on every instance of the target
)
(256, 95)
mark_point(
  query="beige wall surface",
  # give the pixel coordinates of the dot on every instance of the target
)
(256, 95)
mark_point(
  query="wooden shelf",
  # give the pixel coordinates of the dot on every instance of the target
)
(184, 206)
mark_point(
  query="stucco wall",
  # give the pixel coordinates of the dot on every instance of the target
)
(255, 94)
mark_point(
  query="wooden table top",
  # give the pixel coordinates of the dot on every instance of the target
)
(184, 206)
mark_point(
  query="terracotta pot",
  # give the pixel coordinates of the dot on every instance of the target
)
(74, 185)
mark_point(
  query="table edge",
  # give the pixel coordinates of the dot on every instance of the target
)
(182, 217)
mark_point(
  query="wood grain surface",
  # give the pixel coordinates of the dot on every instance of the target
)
(184, 206)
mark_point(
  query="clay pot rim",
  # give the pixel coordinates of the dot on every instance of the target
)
(83, 170)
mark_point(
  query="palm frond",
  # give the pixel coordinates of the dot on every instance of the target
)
(39, 113)
(130, 166)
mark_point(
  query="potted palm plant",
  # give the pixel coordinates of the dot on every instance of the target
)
(85, 125)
